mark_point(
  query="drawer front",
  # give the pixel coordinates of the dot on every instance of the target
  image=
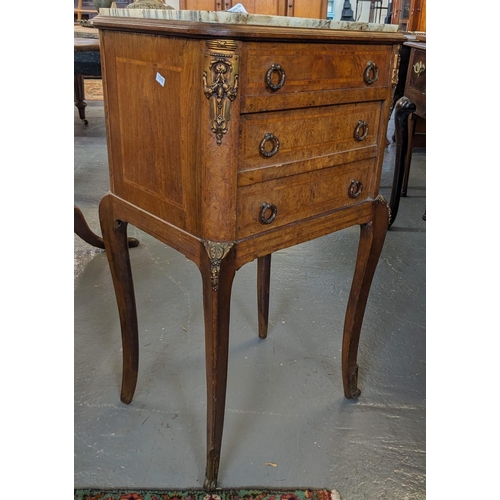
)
(267, 205)
(277, 76)
(279, 138)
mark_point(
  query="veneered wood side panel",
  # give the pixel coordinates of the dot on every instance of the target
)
(153, 123)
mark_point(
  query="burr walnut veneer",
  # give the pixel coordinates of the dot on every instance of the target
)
(230, 142)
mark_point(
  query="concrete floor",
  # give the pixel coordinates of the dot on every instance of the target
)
(285, 403)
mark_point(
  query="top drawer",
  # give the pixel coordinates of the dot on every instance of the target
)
(280, 76)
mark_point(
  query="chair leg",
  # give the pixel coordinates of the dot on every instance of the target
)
(82, 230)
(263, 285)
(80, 97)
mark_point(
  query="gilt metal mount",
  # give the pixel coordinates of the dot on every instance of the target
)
(220, 83)
(216, 250)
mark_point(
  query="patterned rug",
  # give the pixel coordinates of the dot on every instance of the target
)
(308, 494)
(93, 90)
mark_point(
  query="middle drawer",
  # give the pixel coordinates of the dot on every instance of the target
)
(302, 135)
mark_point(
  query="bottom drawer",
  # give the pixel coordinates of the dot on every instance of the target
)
(267, 205)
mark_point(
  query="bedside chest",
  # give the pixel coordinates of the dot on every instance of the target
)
(229, 142)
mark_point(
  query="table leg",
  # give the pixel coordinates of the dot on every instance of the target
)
(263, 284)
(114, 233)
(403, 109)
(217, 270)
(370, 246)
(80, 97)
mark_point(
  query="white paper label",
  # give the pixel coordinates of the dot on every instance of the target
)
(160, 79)
(238, 8)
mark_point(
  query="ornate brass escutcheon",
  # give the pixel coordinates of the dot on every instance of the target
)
(220, 83)
(355, 188)
(275, 143)
(361, 131)
(419, 68)
(268, 213)
(371, 73)
(275, 68)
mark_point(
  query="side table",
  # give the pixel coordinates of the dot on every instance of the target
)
(228, 142)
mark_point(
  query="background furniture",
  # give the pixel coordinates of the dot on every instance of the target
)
(85, 9)
(247, 143)
(410, 15)
(87, 64)
(408, 108)
(297, 8)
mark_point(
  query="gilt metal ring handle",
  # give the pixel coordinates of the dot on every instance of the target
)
(419, 68)
(275, 144)
(355, 188)
(268, 213)
(371, 73)
(361, 131)
(275, 68)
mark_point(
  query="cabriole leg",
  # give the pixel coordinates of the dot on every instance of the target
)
(217, 272)
(114, 233)
(370, 246)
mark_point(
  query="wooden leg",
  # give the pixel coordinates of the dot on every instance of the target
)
(114, 232)
(80, 97)
(217, 273)
(370, 245)
(82, 230)
(403, 108)
(412, 120)
(263, 284)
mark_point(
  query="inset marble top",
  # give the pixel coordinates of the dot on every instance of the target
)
(204, 16)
